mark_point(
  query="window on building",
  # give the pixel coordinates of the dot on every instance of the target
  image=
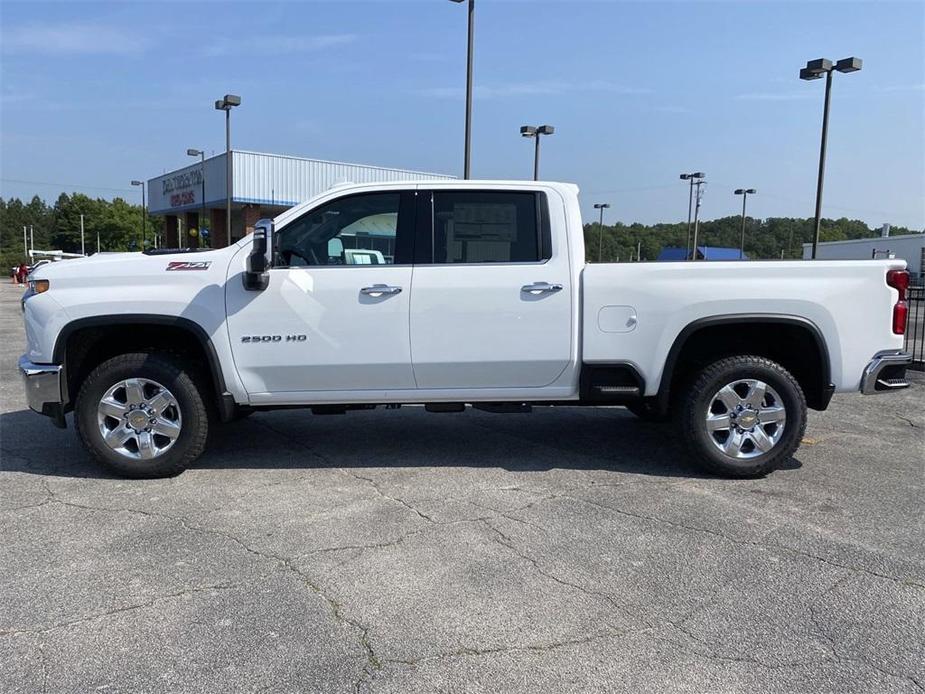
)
(354, 230)
(487, 227)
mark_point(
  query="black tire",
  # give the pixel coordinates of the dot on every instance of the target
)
(697, 400)
(167, 370)
(647, 412)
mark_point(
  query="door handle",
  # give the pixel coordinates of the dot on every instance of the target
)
(541, 288)
(378, 290)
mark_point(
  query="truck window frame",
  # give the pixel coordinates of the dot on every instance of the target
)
(425, 227)
(404, 231)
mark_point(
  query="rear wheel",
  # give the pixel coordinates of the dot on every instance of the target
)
(743, 416)
(142, 415)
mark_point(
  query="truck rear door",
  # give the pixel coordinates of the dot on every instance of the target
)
(491, 302)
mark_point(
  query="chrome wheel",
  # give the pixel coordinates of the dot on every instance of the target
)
(745, 419)
(139, 418)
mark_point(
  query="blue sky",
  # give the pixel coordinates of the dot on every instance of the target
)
(95, 94)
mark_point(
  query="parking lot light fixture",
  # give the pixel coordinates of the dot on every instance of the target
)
(814, 70)
(600, 239)
(467, 157)
(225, 104)
(143, 211)
(535, 132)
(744, 192)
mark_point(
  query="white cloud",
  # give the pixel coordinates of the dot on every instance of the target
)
(541, 88)
(903, 88)
(277, 45)
(777, 96)
(73, 38)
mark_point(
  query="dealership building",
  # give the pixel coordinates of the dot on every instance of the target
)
(263, 185)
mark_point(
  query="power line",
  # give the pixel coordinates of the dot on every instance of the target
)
(64, 185)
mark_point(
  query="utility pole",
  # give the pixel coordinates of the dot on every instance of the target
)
(83, 250)
(600, 238)
(692, 177)
(638, 251)
(25, 244)
(31, 238)
(699, 183)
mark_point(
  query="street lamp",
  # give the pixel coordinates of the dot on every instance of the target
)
(690, 197)
(226, 104)
(600, 239)
(535, 132)
(202, 159)
(143, 213)
(814, 70)
(469, 56)
(744, 192)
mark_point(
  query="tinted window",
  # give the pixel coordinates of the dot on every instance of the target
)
(355, 230)
(485, 227)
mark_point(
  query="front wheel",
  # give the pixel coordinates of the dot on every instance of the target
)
(743, 416)
(142, 415)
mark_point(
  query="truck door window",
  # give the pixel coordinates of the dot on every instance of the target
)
(488, 227)
(354, 230)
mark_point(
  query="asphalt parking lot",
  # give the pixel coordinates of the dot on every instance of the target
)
(570, 550)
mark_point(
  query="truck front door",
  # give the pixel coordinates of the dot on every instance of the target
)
(335, 314)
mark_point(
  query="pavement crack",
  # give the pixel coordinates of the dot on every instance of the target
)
(474, 651)
(119, 610)
(508, 543)
(746, 543)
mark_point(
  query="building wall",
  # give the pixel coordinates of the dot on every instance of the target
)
(910, 248)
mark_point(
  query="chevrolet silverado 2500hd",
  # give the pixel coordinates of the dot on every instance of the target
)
(448, 294)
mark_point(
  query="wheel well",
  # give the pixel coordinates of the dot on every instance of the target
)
(84, 348)
(796, 345)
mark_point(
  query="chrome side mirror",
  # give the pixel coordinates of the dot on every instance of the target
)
(256, 277)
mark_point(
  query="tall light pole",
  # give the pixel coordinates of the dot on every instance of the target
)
(467, 161)
(600, 239)
(225, 104)
(143, 214)
(698, 195)
(202, 159)
(535, 132)
(25, 242)
(744, 192)
(690, 200)
(83, 250)
(814, 70)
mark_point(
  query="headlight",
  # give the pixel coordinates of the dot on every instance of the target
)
(38, 286)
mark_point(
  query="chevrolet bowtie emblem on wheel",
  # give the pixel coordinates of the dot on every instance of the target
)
(188, 265)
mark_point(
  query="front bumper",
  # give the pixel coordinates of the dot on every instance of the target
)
(885, 372)
(43, 389)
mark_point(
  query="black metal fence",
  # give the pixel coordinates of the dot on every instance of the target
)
(915, 323)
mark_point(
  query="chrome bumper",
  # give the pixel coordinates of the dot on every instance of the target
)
(43, 388)
(885, 372)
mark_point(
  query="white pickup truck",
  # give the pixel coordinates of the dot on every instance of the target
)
(450, 294)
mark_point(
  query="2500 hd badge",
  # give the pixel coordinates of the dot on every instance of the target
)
(273, 338)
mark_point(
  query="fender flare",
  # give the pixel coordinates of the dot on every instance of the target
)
(677, 347)
(224, 400)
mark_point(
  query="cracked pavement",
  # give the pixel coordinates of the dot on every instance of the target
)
(570, 550)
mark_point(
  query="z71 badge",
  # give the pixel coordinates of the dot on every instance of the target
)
(188, 265)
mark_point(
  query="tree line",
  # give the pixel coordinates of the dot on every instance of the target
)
(765, 239)
(117, 224)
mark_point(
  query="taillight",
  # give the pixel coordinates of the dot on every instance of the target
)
(899, 280)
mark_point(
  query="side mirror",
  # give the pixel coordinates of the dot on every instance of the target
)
(256, 277)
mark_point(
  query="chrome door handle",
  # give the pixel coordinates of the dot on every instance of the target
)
(541, 288)
(380, 290)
